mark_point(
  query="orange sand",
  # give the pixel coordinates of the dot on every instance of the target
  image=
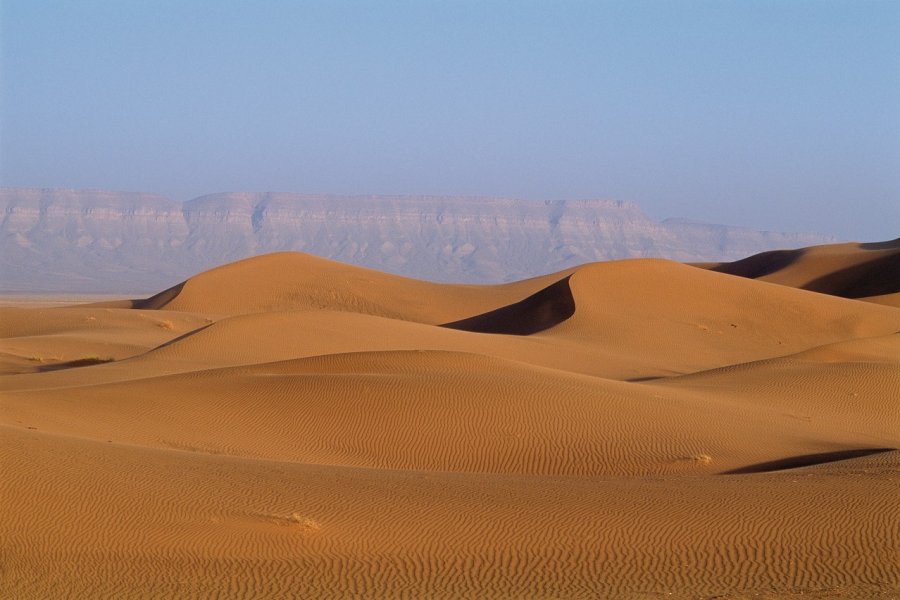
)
(287, 426)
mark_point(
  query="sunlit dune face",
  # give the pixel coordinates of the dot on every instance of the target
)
(290, 425)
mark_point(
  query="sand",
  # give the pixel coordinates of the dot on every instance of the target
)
(864, 271)
(288, 426)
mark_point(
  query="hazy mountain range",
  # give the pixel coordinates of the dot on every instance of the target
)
(61, 240)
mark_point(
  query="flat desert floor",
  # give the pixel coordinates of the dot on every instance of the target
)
(287, 426)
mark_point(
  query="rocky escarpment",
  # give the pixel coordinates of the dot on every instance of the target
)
(98, 240)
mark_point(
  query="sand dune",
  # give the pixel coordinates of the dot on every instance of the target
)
(287, 426)
(294, 281)
(863, 271)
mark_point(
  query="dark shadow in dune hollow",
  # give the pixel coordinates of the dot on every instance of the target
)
(159, 300)
(874, 278)
(74, 364)
(760, 265)
(538, 312)
(888, 245)
(807, 460)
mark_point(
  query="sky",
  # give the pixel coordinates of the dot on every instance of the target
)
(781, 115)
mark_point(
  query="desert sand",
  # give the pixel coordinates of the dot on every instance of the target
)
(287, 426)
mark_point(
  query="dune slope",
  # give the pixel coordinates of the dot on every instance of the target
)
(865, 271)
(287, 426)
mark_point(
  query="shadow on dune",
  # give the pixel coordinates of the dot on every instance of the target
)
(74, 364)
(881, 245)
(807, 460)
(159, 300)
(645, 379)
(874, 278)
(538, 312)
(760, 265)
(181, 337)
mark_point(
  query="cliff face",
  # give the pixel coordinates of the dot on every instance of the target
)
(97, 240)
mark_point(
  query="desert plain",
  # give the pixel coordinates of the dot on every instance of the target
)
(290, 427)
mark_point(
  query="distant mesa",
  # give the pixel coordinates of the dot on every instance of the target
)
(58, 240)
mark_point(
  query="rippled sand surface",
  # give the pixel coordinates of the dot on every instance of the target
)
(287, 426)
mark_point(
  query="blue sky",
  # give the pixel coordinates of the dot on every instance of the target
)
(780, 115)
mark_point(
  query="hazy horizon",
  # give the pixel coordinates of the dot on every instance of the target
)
(640, 208)
(778, 116)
